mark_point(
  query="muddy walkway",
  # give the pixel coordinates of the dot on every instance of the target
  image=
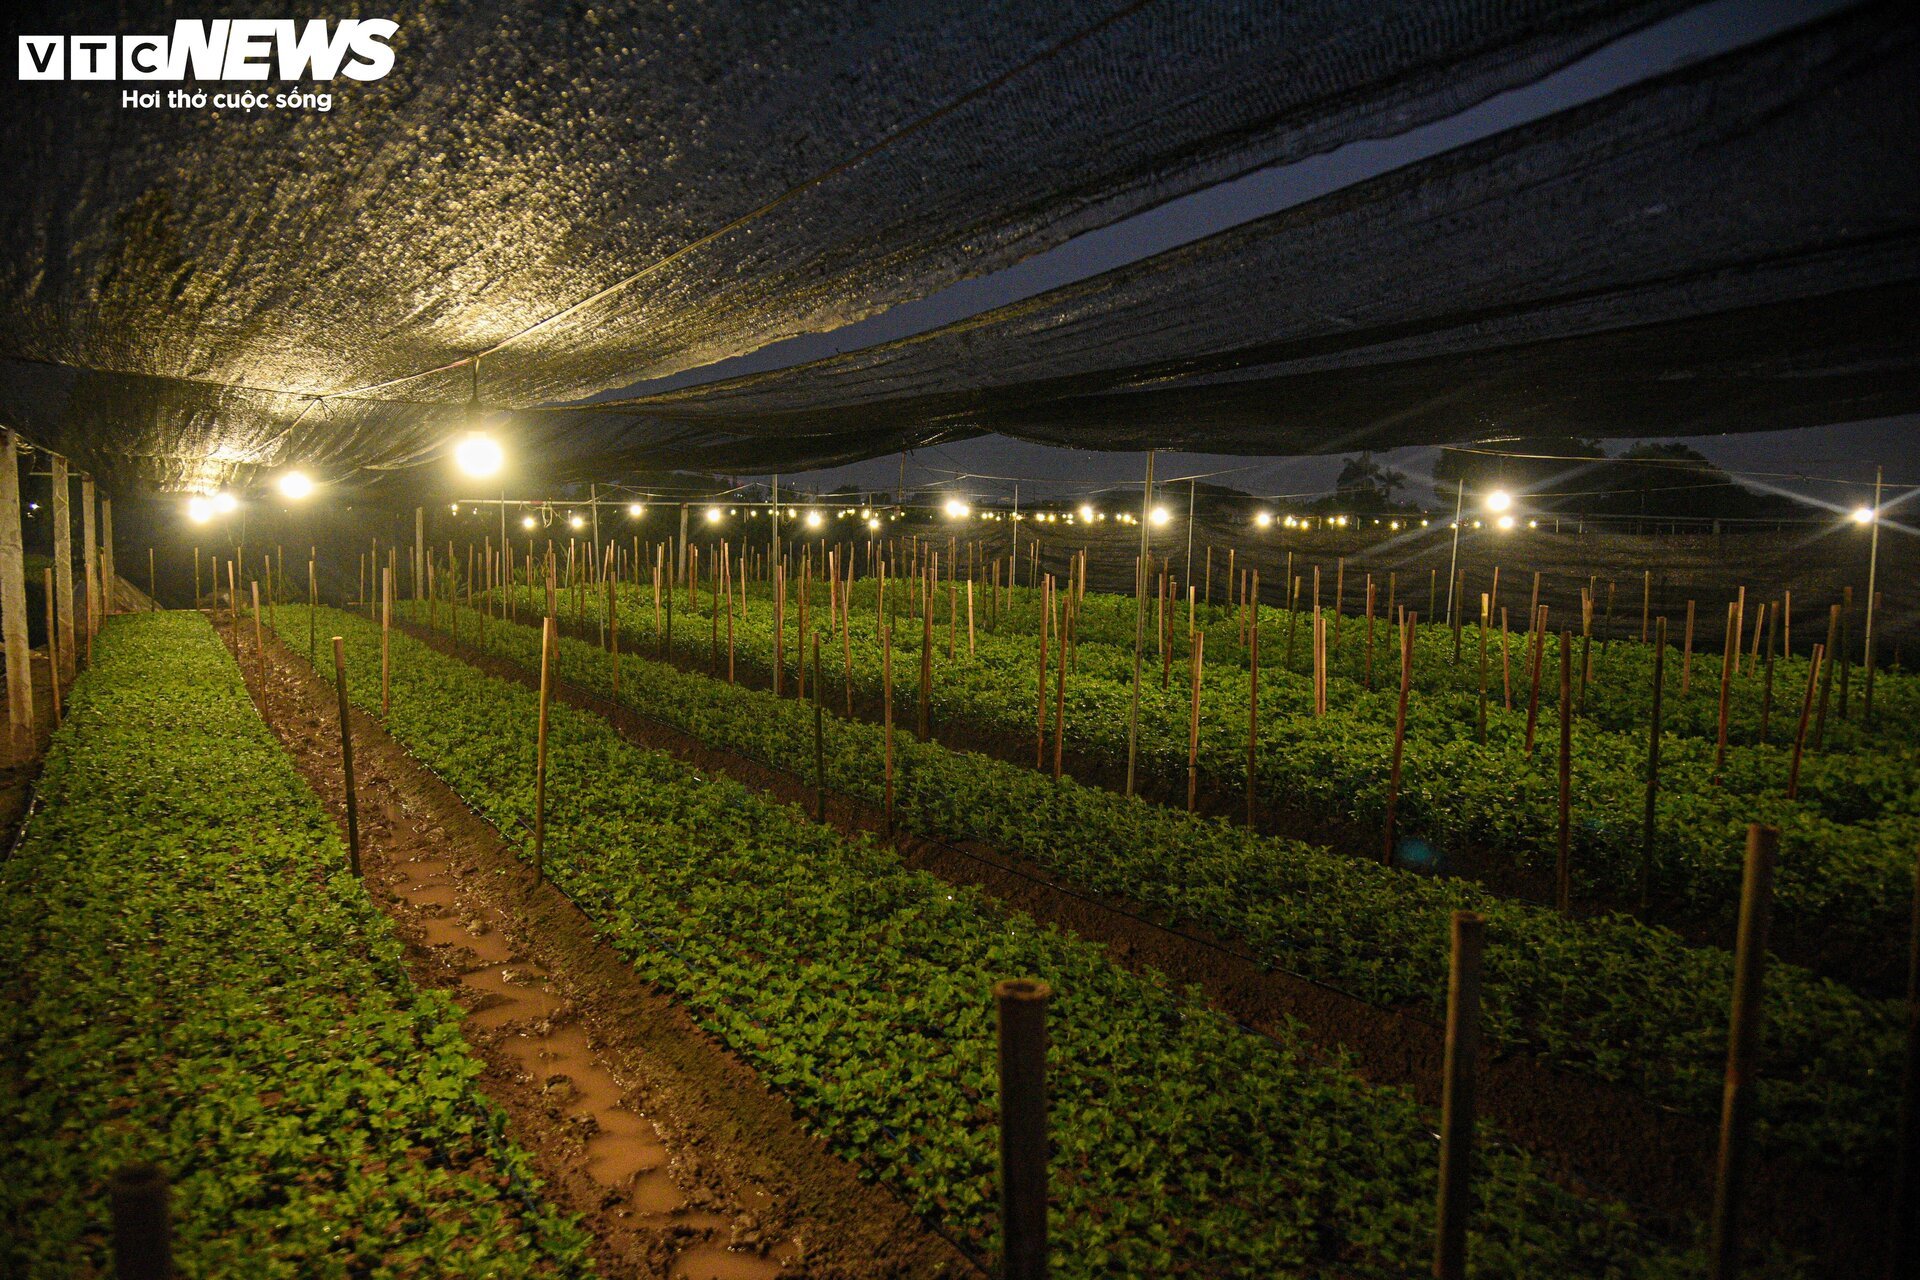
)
(679, 1160)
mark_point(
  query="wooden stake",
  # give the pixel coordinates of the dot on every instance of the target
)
(1538, 628)
(1060, 685)
(819, 737)
(260, 652)
(386, 630)
(1253, 707)
(886, 695)
(1021, 1005)
(1826, 680)
(1399, 736)
(1806, 711)
(549, 641)
(53, 647)
(346, 753)
(1743, 1042)
(1686, 654)
(1647, 829)
(1729, 655)
(1563, 865)
(1457, 1097)
(1194, 661)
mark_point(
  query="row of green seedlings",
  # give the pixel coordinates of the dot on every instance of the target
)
(1021, 1020)
(1056, 625)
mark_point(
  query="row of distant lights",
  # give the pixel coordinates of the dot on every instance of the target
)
(481, 456)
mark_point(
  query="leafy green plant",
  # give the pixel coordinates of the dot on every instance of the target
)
(1183, 1144)
(193, 977)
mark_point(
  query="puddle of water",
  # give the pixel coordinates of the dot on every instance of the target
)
(626, 1147)
(518, 1001)
(712, 1262)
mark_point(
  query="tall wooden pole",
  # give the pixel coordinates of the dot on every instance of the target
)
(549, 641)
(90, 562)
(63, 561)
(53, 650)
(1653, 760)
(1563, 864)
(13, 590)
(346, 752)
(1743, 1041)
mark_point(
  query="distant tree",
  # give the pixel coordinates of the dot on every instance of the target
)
(1366, 486)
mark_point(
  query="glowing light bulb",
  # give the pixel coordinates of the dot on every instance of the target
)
(813, 519)
(225, 504)
(1160, 516)
(1499, 500)
(1504, 523)
(956, 509)
(1863, 515)
(576, 522)
(527, 522)
(199, 510)
(295, 485)
(713, 515)
(635, 510)
(479, 455)
(873, 522)
(1264, 519)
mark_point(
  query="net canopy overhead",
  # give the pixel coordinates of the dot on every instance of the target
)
(588, 198)
(1686, 256)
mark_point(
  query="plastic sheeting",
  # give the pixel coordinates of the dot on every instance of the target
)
(1734, 246)
(595, 195)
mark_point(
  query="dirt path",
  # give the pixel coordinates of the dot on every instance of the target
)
(680, 1161)
(1590, 1134)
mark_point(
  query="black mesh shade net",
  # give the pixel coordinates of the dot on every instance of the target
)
(586, 198)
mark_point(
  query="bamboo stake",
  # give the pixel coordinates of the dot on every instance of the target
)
(1806, 711)
(1253, 707)
(819, 736)
(1040, 699)
(1563, 867)
(886, 696)
(1647, 829)
(1399, 737)
(386, 631)
(1772, 613)
(1506, 661)
(1743, 1043)
(1457, 1097)
(1826, 680)
(1485, 625)
(1686, 654)
(260, 652)
(1538, 627)
(1729, 655)
(549, 641)
(53, 646)
(346, 754)
(926, 654)
(1194, 661)
(1060, 690)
